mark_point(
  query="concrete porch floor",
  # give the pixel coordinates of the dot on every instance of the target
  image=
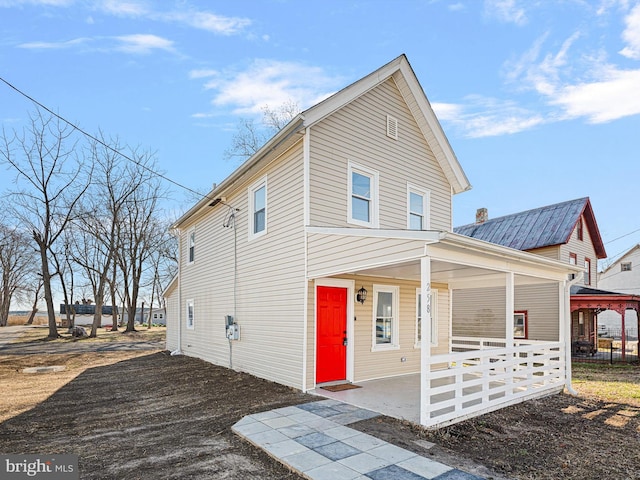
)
(397, 397)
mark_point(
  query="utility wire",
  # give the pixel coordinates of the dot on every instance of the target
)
(622, 236)
(109, 147)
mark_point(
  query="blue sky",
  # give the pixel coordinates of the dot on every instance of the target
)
(540, 99)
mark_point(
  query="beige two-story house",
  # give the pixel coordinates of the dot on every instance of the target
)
(329, 257)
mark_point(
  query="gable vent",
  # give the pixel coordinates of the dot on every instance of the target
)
(392, 127)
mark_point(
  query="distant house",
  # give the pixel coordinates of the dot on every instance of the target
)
(84, 313)
(329, 256)
(568, 232)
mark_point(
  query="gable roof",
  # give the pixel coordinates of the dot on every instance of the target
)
(400, 70)
(622, 257)
(537, 228)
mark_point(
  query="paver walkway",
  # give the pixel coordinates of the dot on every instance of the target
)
(313, 440)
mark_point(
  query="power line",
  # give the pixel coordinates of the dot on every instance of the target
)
(622, 236)
(109, 147)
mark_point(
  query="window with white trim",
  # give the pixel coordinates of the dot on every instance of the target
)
(191, 319)
(417, 208)
(587, 271)
(258, 208)
(363, 196)
(385, 317)
(520, 324)
(625, 267)
(192, 246)
(434, 317)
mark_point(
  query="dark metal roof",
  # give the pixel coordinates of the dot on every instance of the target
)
(537, 228)
(581, 290)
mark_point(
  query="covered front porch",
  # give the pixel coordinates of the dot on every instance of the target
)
(464, 372)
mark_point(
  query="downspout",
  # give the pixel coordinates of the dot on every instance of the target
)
(178, 350)
(306, 160)
(566, 330)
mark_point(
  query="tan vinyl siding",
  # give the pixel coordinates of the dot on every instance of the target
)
(583, 249)
(379, 364)
(329, 254)
(480, 312)
(270, 281)
(549, 252)
(357, 133)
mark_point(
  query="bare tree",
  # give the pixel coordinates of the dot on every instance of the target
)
(251, 136)
(16, 267)
(139, 234)
(50, 180)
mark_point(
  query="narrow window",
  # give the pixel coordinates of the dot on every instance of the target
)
(520, 324)
(363, 196)
(417, 208)
(192, 246)
(580, 232)
(190, 315)
(587, 271)
(434, 317)
(573, 260)
(258, 208)
(385, 317)
(625, 267)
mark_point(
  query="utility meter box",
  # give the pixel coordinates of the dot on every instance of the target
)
(232, 329)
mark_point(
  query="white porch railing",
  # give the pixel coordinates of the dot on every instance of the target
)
(486, 376)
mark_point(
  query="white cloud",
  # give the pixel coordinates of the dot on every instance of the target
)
(123, 8)
(269, 82)
(614, 97)
(49, 3)
(487, 117)
(203, 73)
(631, 34)
(207, 21)
(143, 43)
(55, 45)
(507, 11)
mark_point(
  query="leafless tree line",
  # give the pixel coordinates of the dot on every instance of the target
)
(81, 214)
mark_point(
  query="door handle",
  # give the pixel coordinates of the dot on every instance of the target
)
(345, 341)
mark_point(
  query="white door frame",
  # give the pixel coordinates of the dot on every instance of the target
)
(350, 286)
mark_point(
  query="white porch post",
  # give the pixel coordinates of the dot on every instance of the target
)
(564, 289)
(425, 338)
(510, 308)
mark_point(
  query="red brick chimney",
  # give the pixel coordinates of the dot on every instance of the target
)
(482, 215)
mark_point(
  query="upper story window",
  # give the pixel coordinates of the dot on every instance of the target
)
(573, 260)
(258, 208)
(417, 208)
(580, 230)
(587, 271)
(625, 267)
(385, 317)
(192, 246)
(363, 196)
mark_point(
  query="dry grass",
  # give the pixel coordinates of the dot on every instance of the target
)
(608, 383)
(22, 320)
(142, 334)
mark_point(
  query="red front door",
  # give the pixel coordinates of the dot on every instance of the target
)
(331, 315)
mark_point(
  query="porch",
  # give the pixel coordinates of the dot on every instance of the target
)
(478, 358)
(483, 376)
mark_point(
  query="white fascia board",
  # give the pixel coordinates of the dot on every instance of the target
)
(429, 236)
(279, 138)
(459, 182)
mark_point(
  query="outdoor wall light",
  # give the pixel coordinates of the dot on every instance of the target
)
(362, 295)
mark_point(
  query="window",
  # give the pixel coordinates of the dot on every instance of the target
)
(434, 317)
(192, 246)
(573, 260)
(385, 317)
(520, 324)
(625, 267)
(258, 208)
(417, 208)
(155, 316)
(190, 315)
(363, 196)
(579, 228)
(587, 271)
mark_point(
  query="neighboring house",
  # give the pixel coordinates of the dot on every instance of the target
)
(623, 275)
(565, 231)
(324, 255)
(84, 313)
